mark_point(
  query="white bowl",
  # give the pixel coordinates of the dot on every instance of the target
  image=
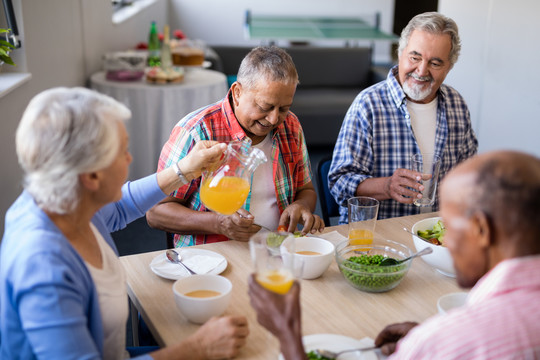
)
(451, 301)
(314, 265)
(199, 309)
(440, 258)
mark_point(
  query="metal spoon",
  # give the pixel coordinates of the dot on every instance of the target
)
(391, 261)
(334, 355)
(174, 257)
(262, 226)
(413, 234)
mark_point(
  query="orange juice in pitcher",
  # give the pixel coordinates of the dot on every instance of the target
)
(225, 189)
(227, 196)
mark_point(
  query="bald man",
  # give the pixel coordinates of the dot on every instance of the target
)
(490, 206)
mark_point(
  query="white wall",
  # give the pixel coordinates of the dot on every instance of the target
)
(63, 42)
(498, 70)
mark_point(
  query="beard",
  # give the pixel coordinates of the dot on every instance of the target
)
(418, 92)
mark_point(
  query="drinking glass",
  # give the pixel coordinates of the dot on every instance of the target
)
(428, 165)
(363, 213)
(274, 260)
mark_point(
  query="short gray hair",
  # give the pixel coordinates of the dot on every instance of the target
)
(434, 23)
(269, 63)
(63, 133)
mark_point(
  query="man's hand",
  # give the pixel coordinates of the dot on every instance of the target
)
(298, 213)
(403, 186)
(238, 226)
(280, 314)
(390, 335)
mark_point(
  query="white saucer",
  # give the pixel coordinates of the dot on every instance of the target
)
(161, 266)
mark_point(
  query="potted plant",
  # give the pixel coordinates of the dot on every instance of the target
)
(5, 48)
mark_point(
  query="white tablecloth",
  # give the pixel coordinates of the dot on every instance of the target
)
(157, 108)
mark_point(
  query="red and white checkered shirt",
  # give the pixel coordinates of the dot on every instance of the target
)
(290, 160)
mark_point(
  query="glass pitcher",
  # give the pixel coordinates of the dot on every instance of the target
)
(225, 189)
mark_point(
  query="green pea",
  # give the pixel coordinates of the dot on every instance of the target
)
(375, 278)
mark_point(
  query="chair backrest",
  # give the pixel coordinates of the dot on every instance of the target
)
(170, 240)
(329, 207)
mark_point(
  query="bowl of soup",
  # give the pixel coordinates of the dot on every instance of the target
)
(315, 254)
(199, 297)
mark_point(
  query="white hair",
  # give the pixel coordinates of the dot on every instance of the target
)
(267, 63)
(63, 133)
(433, 23)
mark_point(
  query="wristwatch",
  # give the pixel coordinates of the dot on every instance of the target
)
(179, 173)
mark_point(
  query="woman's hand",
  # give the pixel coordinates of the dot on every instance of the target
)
(222, 337)
(205, 155)
(219, 338)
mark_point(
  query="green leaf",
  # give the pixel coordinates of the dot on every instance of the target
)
(4, 30)
(7, 60)
(4, 44)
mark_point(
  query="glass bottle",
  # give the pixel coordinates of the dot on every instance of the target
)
(166, 60)
(225, 189)
(154, 58)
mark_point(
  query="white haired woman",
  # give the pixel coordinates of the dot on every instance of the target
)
(62, 287)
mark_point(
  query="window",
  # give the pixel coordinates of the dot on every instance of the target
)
(124, 9)
(118, 4)
(12, 76)
(11, 23)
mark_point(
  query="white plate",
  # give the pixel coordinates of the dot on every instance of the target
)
(338, 343)
(161, 266)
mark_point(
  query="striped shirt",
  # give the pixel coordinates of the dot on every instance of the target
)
(501, 319)
(376, 138)
(290, 161)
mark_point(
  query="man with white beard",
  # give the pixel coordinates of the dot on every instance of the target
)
(411, 112)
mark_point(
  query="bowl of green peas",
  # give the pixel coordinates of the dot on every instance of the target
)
(361, 265)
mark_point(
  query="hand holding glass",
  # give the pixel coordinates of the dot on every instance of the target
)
(428, 165)
(274, 264)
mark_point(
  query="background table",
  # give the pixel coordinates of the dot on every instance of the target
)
(329, 304)
(294, 28)
(157, 108)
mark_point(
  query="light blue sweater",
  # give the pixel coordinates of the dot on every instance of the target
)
(49, 306)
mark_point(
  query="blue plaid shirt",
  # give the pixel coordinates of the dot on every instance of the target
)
(376, 138)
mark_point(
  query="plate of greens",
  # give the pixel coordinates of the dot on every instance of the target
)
(336, 343)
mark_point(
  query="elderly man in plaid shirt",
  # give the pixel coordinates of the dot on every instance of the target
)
(411, 112)
(282, 194)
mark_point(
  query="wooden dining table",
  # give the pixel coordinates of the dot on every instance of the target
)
(329, 304)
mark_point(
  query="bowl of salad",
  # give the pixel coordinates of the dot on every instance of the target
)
(430, 233)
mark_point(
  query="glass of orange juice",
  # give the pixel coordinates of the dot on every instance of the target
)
(274, 260)
(363, 213)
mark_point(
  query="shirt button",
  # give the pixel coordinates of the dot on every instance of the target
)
(407, 116)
